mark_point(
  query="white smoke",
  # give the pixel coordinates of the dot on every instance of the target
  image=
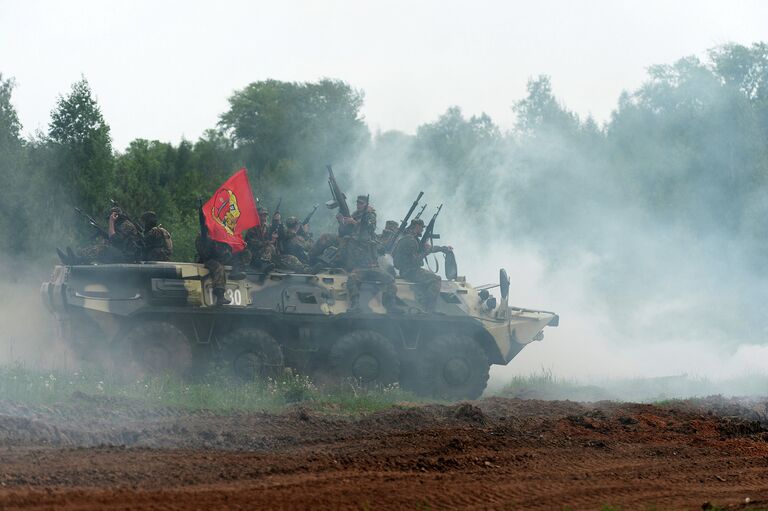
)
(645, 301)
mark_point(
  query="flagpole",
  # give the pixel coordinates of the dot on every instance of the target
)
(201, 217)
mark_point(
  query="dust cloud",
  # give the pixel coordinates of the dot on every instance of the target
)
(26, 327)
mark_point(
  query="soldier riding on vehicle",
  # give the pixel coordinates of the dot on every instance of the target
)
(158, 245)
(409, 259)
(120, 243)
(260, 243)
(390, 230)
(358, 251)
(294, 244)
(214, 255)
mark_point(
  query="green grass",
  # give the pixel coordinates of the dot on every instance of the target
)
(215, 391)
(545, 385)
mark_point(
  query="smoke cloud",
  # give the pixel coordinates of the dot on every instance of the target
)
(637, 297)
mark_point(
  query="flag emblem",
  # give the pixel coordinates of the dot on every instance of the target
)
(225, 210)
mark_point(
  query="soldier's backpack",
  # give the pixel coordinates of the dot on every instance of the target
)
(161, 239)
(167, 240)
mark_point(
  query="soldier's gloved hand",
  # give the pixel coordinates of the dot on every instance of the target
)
(446, 249)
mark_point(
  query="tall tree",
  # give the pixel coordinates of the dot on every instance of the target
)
(287, 131)
(10, 127)
(541, 112)
(11, 172)
(455, 146)
(81, 139)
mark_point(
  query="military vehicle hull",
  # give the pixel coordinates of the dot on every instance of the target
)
(157, 317)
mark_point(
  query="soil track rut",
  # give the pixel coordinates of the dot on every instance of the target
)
(491, 454)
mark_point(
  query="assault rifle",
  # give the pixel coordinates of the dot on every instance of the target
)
(339, 199)
(93, 223)
(304, 223)
(429, 233)
(309, 216)
(125, 215)
(420, 212)
(277, 208)
(403, 225)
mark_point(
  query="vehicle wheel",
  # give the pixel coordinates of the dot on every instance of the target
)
(252, 354)
(366, 356)
(158, 347)
(454, 367)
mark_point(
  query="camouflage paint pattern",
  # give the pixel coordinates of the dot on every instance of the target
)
(112, 295)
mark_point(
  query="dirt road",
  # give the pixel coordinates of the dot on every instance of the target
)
(491, 454)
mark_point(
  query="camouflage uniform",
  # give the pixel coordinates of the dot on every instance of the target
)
(294, 244)
(386, 235)
(158, 245)
(357, 253)
(276, 230)
(215, 255)
(409, 260)
(265, 255)
(122, 247)
(291, 263)
(261, 247)
(293, 255)
(324, 242)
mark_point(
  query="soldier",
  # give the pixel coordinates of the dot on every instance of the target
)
(305, 232)
(409, 259)
(158, 245)
(263, 216)
(357, 253)
(122, 245)
(277, 231)
(260, 243)
(215, 255)
(294, 244)
(390, 230)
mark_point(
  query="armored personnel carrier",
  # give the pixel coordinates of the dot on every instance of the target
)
(160, 317)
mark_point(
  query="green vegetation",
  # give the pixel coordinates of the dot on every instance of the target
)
(213, 392)
(545, 385)
(686, 150)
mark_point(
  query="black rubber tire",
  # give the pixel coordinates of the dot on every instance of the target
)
(453, 367)
(158, 348)
(252, 354)
(367, 357)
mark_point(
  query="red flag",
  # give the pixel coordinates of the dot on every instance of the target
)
(231, 211)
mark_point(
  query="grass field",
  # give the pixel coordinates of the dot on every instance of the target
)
(215, 391)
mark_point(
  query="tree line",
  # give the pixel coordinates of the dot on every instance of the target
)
(686, 150)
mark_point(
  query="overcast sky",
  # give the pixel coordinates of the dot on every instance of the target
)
(164, 70)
